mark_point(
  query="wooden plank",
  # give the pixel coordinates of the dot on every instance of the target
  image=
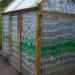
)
(9, 37)
(22, 10)
(18, 43)
(38, 44)
(53, 13)
(10, 30)
(2, 33)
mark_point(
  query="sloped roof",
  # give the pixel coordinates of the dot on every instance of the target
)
(22, 4)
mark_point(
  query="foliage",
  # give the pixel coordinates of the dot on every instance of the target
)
(4, 3)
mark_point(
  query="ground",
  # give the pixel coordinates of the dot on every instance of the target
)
(6, 69)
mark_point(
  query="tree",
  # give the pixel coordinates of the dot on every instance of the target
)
(4, 3)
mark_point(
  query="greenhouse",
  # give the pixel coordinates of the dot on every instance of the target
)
(39, 36)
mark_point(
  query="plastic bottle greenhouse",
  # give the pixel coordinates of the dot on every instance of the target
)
(39, 36)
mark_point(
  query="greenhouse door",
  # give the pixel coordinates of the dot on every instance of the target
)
(15, 43)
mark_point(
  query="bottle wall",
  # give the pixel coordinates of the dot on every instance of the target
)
(28, 41)
(66, 6)
(57, 44)
(5, 31)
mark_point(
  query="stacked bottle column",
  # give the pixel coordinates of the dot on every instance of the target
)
(58, 44)
(28, 42)
(5, 35)
(67, 6)
(14, 39)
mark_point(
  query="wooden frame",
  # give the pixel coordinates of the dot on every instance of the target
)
(52, 13)
(9, 37)
(2, 33)
(18, 43)
(39, 14)
(17, 66)
(38, 44)
(10, 30)
(21, 11)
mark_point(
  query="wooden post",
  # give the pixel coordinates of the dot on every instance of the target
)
(9, 38)
(10, 29)
(2, 32)
(18, 43)
(38, 43)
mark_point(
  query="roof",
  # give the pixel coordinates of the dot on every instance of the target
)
(22, 4)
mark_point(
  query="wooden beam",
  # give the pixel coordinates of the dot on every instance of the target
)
(53, 13)
(21, 11)
(38, 44)
(2, 33)
(9, 37)
(18, 43)
(10, 30)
